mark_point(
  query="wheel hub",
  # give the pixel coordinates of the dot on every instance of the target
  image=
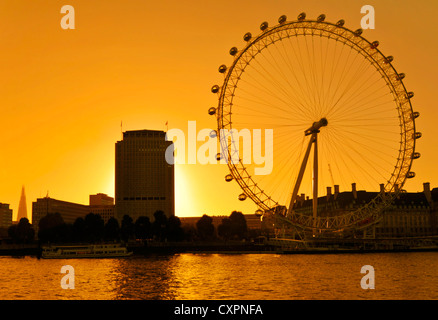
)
(316, 126)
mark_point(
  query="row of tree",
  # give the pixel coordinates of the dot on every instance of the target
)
(232, 227)
(92, 228)
(22, 232)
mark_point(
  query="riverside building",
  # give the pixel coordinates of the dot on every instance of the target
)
(144, 181)
(100, 204)
(69, 211)
(410, 214)
(5, 215)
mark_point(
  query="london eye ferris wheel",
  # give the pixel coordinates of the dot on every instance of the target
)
(339, 112)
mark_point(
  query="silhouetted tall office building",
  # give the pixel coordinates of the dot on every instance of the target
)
(22, 206)
(144, 181)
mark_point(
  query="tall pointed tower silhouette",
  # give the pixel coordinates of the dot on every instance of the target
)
(22, 207)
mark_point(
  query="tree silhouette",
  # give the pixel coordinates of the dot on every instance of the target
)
(22, 232)
(127, 228)
(159, 225)
(238, 225)
(224, 229)
(50, 228)
(12, 231)
(174, 230)
(205, 227)
(142, 228)
(112, 229)
(79, 230)
(189, 232)
(94, 227)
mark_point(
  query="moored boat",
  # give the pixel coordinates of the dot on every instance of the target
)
(112, 250)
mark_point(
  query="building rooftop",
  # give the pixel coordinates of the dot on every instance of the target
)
(144, 133)
(347, 198)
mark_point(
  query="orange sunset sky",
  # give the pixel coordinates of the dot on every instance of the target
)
(64, 93)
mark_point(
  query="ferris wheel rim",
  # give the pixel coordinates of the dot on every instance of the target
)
(370, 52)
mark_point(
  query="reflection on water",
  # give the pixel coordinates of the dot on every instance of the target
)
(224, 276)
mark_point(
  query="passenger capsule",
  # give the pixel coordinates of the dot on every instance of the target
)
(228, 177)
(259, 212)
(358, 32)
(375, 44)
(215, 89)
(401, 76)
(213, 134)
(410, 95)
(212, 111)
(410, 175)
(218, 157)
(416, 155)
(340, 23)
(242, 197)
(415, 115)
(264, 26)
(417, 135)
(302, 16)
(247, 36)
(389, 59)
(233, 51)
(321, 18)
(282, 19)
(222, 68)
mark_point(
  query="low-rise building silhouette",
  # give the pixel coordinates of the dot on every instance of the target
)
(5, 215)
(410, 214)
(102, 205)
(70, 211)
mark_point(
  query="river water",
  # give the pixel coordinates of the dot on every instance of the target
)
(224, 277)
